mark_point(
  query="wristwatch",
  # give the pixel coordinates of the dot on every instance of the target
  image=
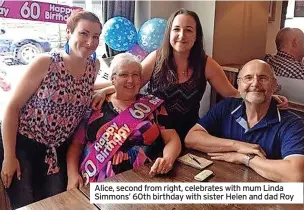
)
(247, 158)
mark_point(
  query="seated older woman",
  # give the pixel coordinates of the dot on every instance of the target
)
(114, 138)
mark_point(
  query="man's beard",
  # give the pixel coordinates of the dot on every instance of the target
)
(255, 100)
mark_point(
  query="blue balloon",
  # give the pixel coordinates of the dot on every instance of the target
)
(119, 33)
(151, 34)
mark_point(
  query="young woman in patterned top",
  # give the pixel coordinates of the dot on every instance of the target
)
(43, 112)
(136, 149)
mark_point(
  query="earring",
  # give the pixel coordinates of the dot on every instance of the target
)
(67, 47)
(94, 56)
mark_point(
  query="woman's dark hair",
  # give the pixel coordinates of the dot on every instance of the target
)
(165, 64)
(80, 14)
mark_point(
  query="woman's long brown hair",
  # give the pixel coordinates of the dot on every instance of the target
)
(165, 64)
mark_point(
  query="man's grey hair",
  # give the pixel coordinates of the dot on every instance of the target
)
(122, 59)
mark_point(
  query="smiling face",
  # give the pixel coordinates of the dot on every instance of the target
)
(183, 33)
(127, 80)
(256, 82)
(84, 40)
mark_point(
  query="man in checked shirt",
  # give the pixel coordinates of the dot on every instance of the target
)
(288, 62)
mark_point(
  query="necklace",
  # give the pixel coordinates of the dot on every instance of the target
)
(116, 108)
(185, 73)
(119, 105)
(114, 103)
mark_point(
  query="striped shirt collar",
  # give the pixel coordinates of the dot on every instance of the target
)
(273, 116)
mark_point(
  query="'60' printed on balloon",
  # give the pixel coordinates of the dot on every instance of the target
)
(119, 33)
(151, 34)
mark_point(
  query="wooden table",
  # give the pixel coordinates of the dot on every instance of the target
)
(223, 172)
(72, 199)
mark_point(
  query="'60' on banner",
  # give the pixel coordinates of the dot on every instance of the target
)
(34, 10)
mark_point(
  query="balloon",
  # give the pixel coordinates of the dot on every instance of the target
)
(138, 52)
(151, 34)
(119, 33)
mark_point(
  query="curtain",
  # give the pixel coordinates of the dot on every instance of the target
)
(111, 9)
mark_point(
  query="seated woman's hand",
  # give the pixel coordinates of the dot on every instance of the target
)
(74, 181)
(282, 101)
(98, 99)
(161, 166)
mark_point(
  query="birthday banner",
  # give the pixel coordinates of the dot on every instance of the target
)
(35, 10)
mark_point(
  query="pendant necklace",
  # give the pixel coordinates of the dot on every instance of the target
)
(185, 73)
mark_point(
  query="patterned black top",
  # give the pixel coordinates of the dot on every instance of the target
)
(140, 147)
(182, 100)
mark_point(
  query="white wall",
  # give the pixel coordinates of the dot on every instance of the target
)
(145, 10)
(292, 89)
(206, 12)
(142, 13)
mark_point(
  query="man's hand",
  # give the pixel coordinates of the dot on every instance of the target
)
(74, 181)
(98, 99)
(9, 167)
(247, 148)
(231, 157)
(161, 166)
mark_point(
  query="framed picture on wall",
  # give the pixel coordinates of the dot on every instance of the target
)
(299, 9)
(271, 12)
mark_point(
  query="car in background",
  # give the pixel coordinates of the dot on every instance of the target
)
(19, 47)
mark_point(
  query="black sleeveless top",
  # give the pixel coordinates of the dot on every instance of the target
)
(181, 100)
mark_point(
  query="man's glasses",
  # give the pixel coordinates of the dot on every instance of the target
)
(262, 79)
(135, 76)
